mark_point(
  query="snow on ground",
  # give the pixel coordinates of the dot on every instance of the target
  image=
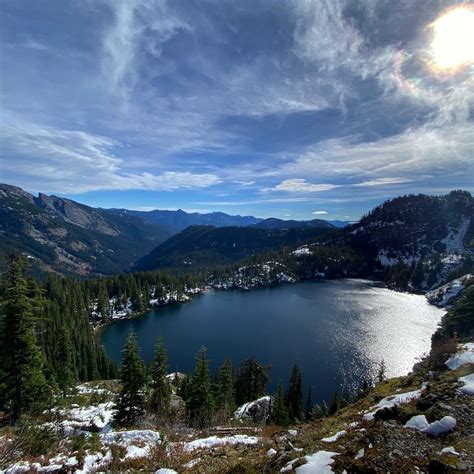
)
(437, 428)
(445, 294)
(468, 382)
(392, 401)
(387, 261)
(360, 454)
(94, 417)
(93, 462)
(213, 441)
(84, 389)
(302, 251)
(449, 450)
(136, 442)
(418, 422)
(319, 462)
(335, 437)
(454, 240)
(464, 356)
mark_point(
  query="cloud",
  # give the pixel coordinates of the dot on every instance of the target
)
(414, 153)
(298, 185)
(76, 161)
(384, 181)
(320, 213)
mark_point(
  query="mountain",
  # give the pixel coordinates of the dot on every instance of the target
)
(273, 223)
(432, 236)
(339, 223)
(176, 221)
(206, 246)
(71, 238)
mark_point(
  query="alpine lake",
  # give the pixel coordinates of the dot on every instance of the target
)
(337, 331)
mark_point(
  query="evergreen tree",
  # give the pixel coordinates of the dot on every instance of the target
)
(295, 395)
(65, 370)
(22, 363)
(251, 381)
(160, 386)
(200, 403)
(309, 404)
(460, 318)
(381, 371)
(131, 399)
(279, 412)
(224, 388)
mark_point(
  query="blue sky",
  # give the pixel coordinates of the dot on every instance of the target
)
(294, 109)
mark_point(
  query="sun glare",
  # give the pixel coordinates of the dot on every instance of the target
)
(453, 39)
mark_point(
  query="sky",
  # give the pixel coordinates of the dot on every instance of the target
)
(293, 109)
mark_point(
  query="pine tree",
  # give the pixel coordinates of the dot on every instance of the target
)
(309, 404)
(279, 413)
(381, 372)
(131, 400)
(460, 319)
(224, 388)
(22, 362)
(65, 371)
(295, 395)
(251, 381)
(160, 386)
(200, 403)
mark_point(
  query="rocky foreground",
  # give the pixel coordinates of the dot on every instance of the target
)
(423, 422)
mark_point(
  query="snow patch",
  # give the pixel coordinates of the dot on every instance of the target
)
(418, 422)
(468, 382)
(90, 418)
(335, 437)
(319, 462)
(393, 401)
(136, 442)
(212, 441)
(437, 428)
(449, 450)
(446, 294)
(302, 251)
(462, 357)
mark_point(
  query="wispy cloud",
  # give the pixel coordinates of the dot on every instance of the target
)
(76, 161)
(327, 98)
(320, 213)
(383, 181)
(298, 185)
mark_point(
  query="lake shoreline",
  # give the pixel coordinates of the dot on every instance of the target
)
(99, 328)
(339, 329)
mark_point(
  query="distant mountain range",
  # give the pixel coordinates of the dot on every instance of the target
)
(418, 239)
(176, 221)
(67, 237)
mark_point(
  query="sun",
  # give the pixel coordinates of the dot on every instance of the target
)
(452, 46)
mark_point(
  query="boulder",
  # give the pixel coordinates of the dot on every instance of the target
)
(257, 411)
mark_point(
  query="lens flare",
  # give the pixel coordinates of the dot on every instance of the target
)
(452, 46)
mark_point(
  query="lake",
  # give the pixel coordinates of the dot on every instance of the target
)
(336, 331)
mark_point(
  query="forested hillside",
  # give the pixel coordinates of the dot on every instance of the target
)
(205, 247)
(419, 241)
(63, 236)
